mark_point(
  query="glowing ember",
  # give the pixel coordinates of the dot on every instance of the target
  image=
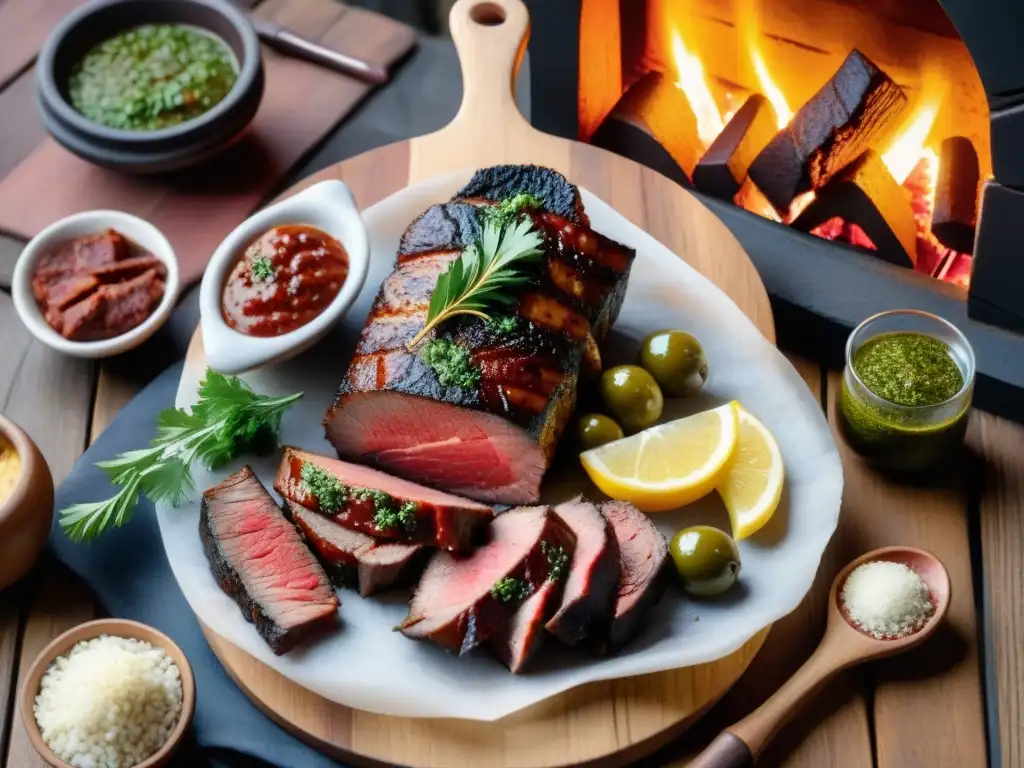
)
(692, 82)
(906, 150)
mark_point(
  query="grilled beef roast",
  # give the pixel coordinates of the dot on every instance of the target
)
(439, 519)
(353, 559)
(643, 552)
(591, 589)
(258, 558)
(462, 602)
(492, 442)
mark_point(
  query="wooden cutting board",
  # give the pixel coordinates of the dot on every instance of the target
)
(607, 723)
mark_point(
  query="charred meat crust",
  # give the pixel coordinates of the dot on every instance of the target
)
(550, 187)
(280, 639)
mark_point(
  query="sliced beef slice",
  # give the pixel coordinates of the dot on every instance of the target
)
(516, 640)
(259, 560)
(643, 552)
(456, 604)
(353, 559)
(441, 519)
(591, 589)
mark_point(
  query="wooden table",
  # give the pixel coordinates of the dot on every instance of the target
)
(957, 703)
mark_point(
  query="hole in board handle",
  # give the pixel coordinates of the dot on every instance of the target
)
(487, 14)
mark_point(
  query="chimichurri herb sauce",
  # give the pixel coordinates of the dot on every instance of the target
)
(152, 77)
(907, 371)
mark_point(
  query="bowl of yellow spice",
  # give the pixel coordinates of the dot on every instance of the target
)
(26, 502)
(906, 392)
(149, 86)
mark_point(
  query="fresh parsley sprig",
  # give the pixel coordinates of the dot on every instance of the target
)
(229, 419)
(484, 272)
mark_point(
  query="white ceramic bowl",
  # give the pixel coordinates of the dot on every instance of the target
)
(328, 206)
(139, 231)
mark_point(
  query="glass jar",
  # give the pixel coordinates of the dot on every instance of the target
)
(903, 437)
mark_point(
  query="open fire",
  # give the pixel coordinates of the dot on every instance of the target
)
(726, 118)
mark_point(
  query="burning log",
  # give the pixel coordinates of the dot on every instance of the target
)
(723, 169)
(857, 109)
(956, 195)
(865, 193)
(653, 124)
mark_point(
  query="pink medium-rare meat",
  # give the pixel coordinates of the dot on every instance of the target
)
(490, 436)
(259, 559)
(352, 558)
(590, 591)
(378, 504)
(462, 602)
(516, 640)
(643, 552)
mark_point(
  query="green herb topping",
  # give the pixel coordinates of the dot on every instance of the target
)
(482, 276)
(558, 559)
(503, 324)
(387, 517)
(908, 369)
(229, 419)
(510, 590)
(510, 208)
(261, 268)
(152, 77)
(451, 364)
(329, 492)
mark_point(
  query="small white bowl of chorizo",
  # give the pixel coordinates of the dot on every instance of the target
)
(282, 278)
(96, 284)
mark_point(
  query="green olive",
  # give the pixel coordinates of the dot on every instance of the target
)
(597, 429)
(632, 395)
(676, 361)
(706, 559)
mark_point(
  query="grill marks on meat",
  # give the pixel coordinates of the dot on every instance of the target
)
(259, 560)
(528, 376)
(442, 519)
(591, 589)
(353, 559)
(643, 552)
(454, 606)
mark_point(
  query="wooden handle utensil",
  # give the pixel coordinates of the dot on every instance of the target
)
(842, 646)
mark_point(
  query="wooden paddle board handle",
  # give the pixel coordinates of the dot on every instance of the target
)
(490, 37)
(726, 751)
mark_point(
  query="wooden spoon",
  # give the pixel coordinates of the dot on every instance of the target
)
(844, 645)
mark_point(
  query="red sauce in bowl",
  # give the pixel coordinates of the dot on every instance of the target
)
(288, 276)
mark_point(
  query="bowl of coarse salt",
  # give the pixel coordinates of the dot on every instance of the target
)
(112, 693)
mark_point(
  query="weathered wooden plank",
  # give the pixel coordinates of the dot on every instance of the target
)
(833, 732)
(21, 128)
(1000, 444)
(59, 603)
(24, 25)
(928, 709)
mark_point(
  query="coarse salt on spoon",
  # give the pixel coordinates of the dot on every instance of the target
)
(844, 645)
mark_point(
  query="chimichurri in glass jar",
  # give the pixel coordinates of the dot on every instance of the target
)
(152, 77)
(906, 390)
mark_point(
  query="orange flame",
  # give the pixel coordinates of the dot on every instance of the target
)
(691, 81)
(750, 26)
(908, 147)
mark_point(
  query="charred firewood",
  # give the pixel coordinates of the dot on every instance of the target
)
(654, 124)
(956, 195)
(723, 169)
(857, 109)
(865, 193)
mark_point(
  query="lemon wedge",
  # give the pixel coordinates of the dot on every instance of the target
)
(752, 485)
(669, 465)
